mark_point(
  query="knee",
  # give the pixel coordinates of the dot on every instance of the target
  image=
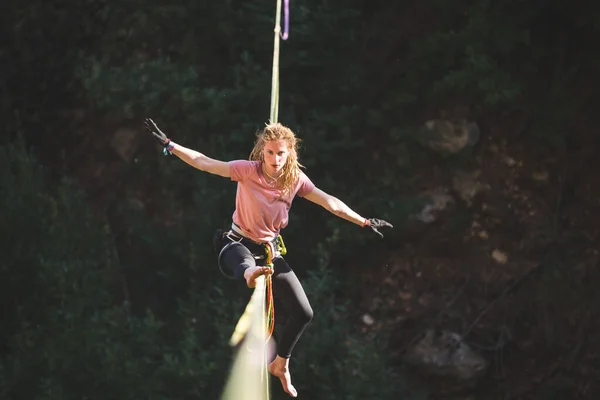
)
(238, 270)
(307, 314)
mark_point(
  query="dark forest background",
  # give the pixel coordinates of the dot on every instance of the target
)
(108, 285)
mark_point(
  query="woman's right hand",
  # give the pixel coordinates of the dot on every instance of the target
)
(157, 133)
(375, 224)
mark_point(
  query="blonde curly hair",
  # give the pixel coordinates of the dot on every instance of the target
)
(291, 169)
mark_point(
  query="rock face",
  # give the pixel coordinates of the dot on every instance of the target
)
(448, 137)
(468, 184)
(444, 354)
(435, 204)
(124, 142)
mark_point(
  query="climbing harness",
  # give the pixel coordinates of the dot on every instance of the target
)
(235, 238)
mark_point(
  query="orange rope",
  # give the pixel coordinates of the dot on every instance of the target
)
(270, 305)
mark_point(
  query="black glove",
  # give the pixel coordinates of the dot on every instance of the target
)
(156, 133)
(375, 224)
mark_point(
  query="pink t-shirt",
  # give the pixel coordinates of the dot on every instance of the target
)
(259, 211)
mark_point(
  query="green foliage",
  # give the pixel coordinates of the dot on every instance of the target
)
(465, 58)
(130, 91)
(67, 337)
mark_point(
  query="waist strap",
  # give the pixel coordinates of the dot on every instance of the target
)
(276, 247)
(238, 229)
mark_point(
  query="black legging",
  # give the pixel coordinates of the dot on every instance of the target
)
(286, 288)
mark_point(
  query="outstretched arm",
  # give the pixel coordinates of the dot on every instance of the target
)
(200, 161)
(189, 156)
(337, 207)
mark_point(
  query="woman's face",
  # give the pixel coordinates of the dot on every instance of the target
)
(275, 155)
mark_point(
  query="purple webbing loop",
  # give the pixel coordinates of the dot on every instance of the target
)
(286, 19)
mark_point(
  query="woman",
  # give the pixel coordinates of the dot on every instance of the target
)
(266, 186)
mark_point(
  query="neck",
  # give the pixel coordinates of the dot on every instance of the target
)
(264, 170)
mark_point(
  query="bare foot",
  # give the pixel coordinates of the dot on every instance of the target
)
(280, 368)
(252, 273)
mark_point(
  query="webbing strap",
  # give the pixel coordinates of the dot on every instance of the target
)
(275, 76)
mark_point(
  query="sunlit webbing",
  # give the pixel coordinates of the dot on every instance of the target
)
(249, 378)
